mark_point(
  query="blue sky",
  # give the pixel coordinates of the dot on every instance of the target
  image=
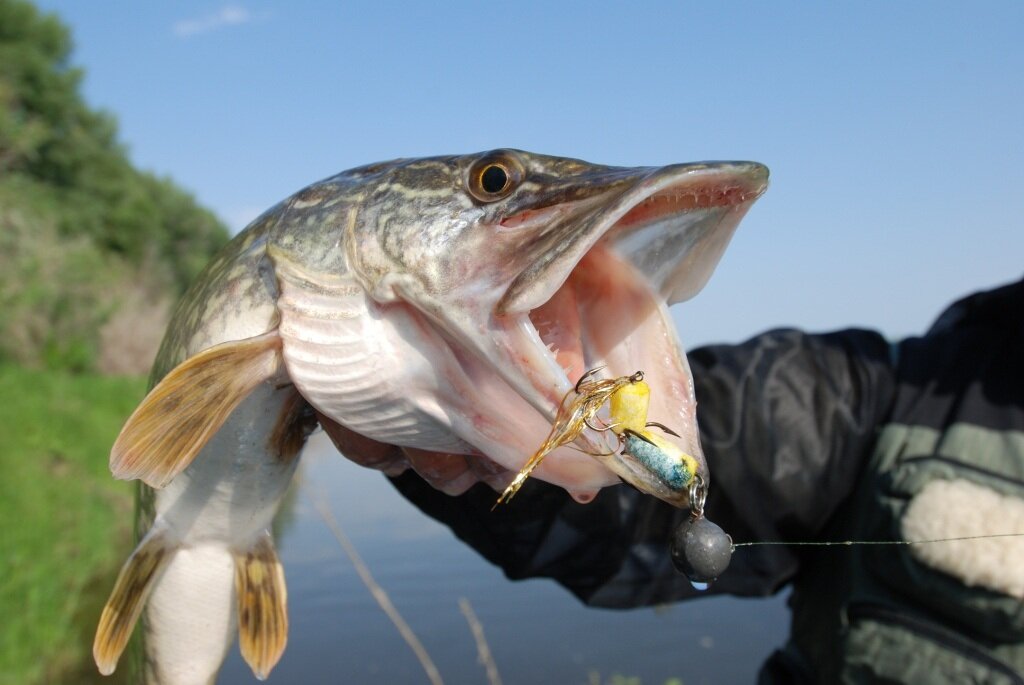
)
(893, 130)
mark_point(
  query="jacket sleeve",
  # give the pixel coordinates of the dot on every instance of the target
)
(787, 420)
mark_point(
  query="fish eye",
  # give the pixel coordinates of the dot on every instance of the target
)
(494, 176)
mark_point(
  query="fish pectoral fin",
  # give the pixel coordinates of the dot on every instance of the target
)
(186, 408)
(124, 606)
(262, 606)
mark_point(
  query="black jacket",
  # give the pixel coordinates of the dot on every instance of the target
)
(788, 424)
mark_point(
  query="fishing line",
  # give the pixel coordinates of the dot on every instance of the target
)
(849, 543)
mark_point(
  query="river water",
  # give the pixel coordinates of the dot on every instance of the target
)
(537, 632)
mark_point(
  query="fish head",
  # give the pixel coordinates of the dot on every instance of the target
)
(536, 269)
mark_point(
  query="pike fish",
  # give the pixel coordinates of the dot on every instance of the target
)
(446, 304)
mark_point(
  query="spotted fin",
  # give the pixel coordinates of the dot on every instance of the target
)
(262, 606)
(127, 599)
(186, 408)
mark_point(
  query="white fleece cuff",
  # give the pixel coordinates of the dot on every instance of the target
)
(960, 508)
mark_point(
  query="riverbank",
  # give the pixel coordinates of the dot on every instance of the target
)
(66, 522)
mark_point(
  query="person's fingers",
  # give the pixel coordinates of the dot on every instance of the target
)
(449, 473)
(491, 472)
(364, 451)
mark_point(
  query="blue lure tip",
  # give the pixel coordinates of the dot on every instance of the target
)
(670, 471)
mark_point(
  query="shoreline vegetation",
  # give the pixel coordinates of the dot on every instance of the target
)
(67, 523)
(93, 251)
(93, 254)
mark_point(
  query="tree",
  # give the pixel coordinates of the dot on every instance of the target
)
(64, 173)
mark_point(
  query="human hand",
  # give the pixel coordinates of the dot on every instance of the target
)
(452, 474)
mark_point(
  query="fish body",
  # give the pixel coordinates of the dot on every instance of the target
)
(444, 304)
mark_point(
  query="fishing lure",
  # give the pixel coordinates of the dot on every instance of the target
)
(699, 548)
(628, 399)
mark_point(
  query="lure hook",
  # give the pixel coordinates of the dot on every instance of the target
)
(662, 427)
(600, 429)
(630, 431)
(585, 376)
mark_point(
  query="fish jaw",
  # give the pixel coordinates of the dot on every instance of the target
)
(672, 223)
(598, 298)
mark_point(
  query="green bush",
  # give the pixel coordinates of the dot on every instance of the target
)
(54, 293)
(77, 220)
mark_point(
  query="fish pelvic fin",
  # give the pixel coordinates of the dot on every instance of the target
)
(122, 610)
(262, 606)
(186, 408)
(294, 424)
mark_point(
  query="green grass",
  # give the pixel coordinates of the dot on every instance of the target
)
(65, 523)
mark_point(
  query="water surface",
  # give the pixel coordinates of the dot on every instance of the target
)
(537, 631)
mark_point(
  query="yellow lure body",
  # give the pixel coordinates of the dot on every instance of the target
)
(628, 407)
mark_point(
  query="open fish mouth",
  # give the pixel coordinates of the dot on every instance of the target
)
(495, 305)
(602, 301)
